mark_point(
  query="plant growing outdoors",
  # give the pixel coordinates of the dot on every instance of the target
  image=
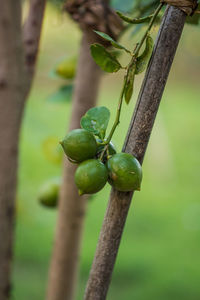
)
(109, 62)
(136, 141)
(123, 171)
(90, 150)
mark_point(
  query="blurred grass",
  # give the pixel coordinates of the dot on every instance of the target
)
(159, 253)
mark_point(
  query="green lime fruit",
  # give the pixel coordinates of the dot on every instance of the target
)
(111, 148)
(91, 176)
(52, 150)
(125, 172)
(79, 145)
(67, 68)
(48, 194)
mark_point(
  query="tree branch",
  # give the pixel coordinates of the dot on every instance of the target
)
(136, 143)
(14, 87)
(32, 32)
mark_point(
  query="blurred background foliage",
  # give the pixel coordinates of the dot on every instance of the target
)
(159, 253)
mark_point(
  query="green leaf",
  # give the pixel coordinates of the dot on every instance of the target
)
(129, 84)
(96, 120)
(63, 94)
(134, 20)
(143, 59)
(113, 42)
(104, 59)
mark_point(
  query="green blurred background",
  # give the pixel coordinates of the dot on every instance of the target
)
(159, 253)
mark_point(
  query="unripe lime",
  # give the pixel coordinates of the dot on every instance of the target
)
(125, 172)
(52, 150)
(79, 145)
(91, 176)
(67, 68)
(48, 194)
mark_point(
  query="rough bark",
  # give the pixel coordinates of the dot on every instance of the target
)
(136, 143)
(31, 34)
(13, 84)
(10, 115)
(64, 266)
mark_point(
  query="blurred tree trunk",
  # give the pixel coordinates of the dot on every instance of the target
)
(63, 271)
(17, 58)
(65, 258)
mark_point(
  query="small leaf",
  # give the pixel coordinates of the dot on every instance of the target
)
(143, 59)
(104, 59)
(135, 20)
(63, 94)
(129, 84)
(96, 120)
(113, 42)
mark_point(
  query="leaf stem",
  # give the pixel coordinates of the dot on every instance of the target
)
(148, 29)
(116, 118)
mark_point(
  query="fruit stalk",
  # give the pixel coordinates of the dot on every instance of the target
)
(117, 118)
(136, 144)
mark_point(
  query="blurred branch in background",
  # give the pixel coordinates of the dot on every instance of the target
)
(31, 33)
(16, 75)
(65, 259)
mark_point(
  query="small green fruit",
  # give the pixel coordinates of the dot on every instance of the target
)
(48, 195)
(125, 172)
(67, 68)
(52, 150)
(91, 176)
(79, 145)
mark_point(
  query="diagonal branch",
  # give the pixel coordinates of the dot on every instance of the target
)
(136, 144)
(32, 32)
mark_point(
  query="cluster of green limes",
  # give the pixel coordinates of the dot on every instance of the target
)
(121, 170)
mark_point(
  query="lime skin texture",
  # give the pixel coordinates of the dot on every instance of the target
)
(91, 176)
(79, 145)
(125, 172)
(48, 195)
